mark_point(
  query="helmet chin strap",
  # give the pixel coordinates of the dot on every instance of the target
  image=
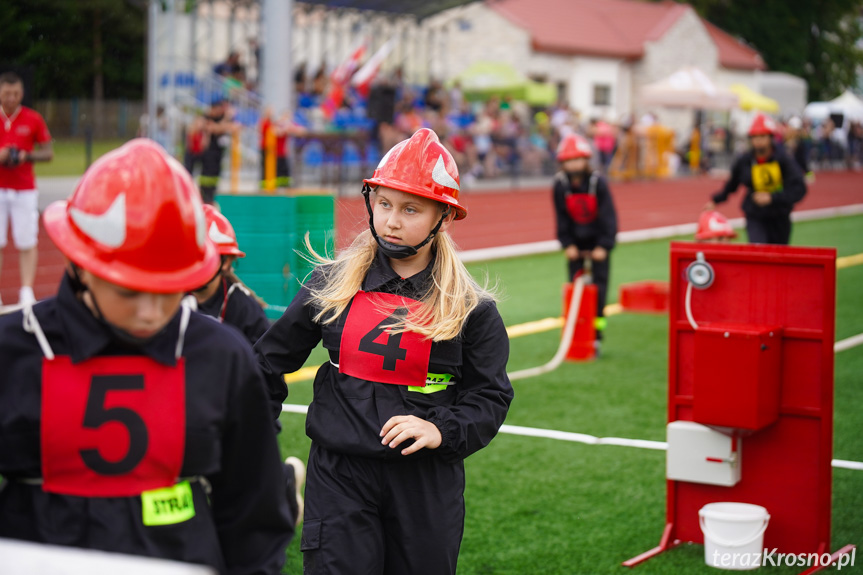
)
(390, 249)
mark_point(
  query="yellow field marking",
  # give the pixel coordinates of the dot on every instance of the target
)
(848, 261)
(514, 331)
(302, 374)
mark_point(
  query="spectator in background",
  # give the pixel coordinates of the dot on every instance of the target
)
(162, 135)
(197, 141)
(24, 139)
(604, 141)
(282, 128)
(218, 128)
(230, 66)
(435, 97)
(456, 97)
(797, 144)
(855, 144)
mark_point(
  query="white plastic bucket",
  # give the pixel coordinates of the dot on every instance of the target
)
(733, 534)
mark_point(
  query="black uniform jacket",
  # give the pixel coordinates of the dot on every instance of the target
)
(241, 311)
(243, 526)
(347, 413)
(601, 232)
(793, 186)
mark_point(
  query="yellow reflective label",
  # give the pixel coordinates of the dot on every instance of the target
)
(434, 382)
(766, 177)
(168, 505)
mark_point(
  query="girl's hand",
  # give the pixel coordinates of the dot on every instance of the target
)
(571, 253)
(401, 427)
(599, 254)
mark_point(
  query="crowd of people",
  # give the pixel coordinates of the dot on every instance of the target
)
(496, 136)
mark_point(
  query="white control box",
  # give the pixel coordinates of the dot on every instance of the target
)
(699, 454)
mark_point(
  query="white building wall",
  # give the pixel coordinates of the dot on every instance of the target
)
(476, 33)
(685, 43)
(588, 73)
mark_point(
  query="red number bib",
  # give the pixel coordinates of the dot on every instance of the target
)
(367, 351)
(581, 208)
(112, 426)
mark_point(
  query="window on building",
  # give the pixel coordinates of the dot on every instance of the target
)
(601, 95)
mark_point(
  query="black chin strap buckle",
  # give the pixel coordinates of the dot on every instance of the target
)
(390, 249)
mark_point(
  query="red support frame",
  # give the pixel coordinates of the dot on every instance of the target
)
(786, 467)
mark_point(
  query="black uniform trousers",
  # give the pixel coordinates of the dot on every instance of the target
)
(382, 516)
(776, 230)
(600, 272)
(211, 169)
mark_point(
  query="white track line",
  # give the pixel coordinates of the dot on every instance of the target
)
(583, 437)
(550, 246)
(848, 343)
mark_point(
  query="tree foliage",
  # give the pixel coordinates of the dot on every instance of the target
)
(68, 44)
(819, 40)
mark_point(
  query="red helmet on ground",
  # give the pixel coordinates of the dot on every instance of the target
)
(712, 225)
(221, 232)
(421, 166)
(573, 146)
(136, 220)
(762, 125)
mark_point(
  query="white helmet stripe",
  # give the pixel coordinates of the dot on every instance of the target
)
(109, 228)
(217, 236)
(441, 176)
(200, 225)
(385, 158)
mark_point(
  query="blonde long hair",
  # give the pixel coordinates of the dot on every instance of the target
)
(451, 296)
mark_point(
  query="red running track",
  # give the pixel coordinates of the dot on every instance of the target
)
(514, 216)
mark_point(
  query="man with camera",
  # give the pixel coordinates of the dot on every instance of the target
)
(24, 139)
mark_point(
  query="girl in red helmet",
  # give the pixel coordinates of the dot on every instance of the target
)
(773, 182)
(586, 218)
(416, 378)
(128, 423)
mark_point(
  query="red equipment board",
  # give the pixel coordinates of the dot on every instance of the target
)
(783, 299)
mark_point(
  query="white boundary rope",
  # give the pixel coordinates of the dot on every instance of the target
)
(584, 438)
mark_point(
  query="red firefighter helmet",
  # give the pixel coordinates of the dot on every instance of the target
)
(762, 125)
(221, 232)
(573, 146)
(712, 224)
(136, 220)
(421, 166)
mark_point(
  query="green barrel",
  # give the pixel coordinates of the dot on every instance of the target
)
(271, 229)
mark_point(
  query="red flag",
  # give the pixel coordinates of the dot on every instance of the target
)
(339, 80)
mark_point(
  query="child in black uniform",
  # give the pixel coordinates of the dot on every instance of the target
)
(586, 218)
(416, 380)
(224, 297)
(127, 423)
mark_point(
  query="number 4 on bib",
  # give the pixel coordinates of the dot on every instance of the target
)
(369, 351)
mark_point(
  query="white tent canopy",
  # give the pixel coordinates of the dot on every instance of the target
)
(847, 104)
(688, 88)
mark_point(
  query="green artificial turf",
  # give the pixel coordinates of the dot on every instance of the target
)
(542, 506)
(70, 157)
